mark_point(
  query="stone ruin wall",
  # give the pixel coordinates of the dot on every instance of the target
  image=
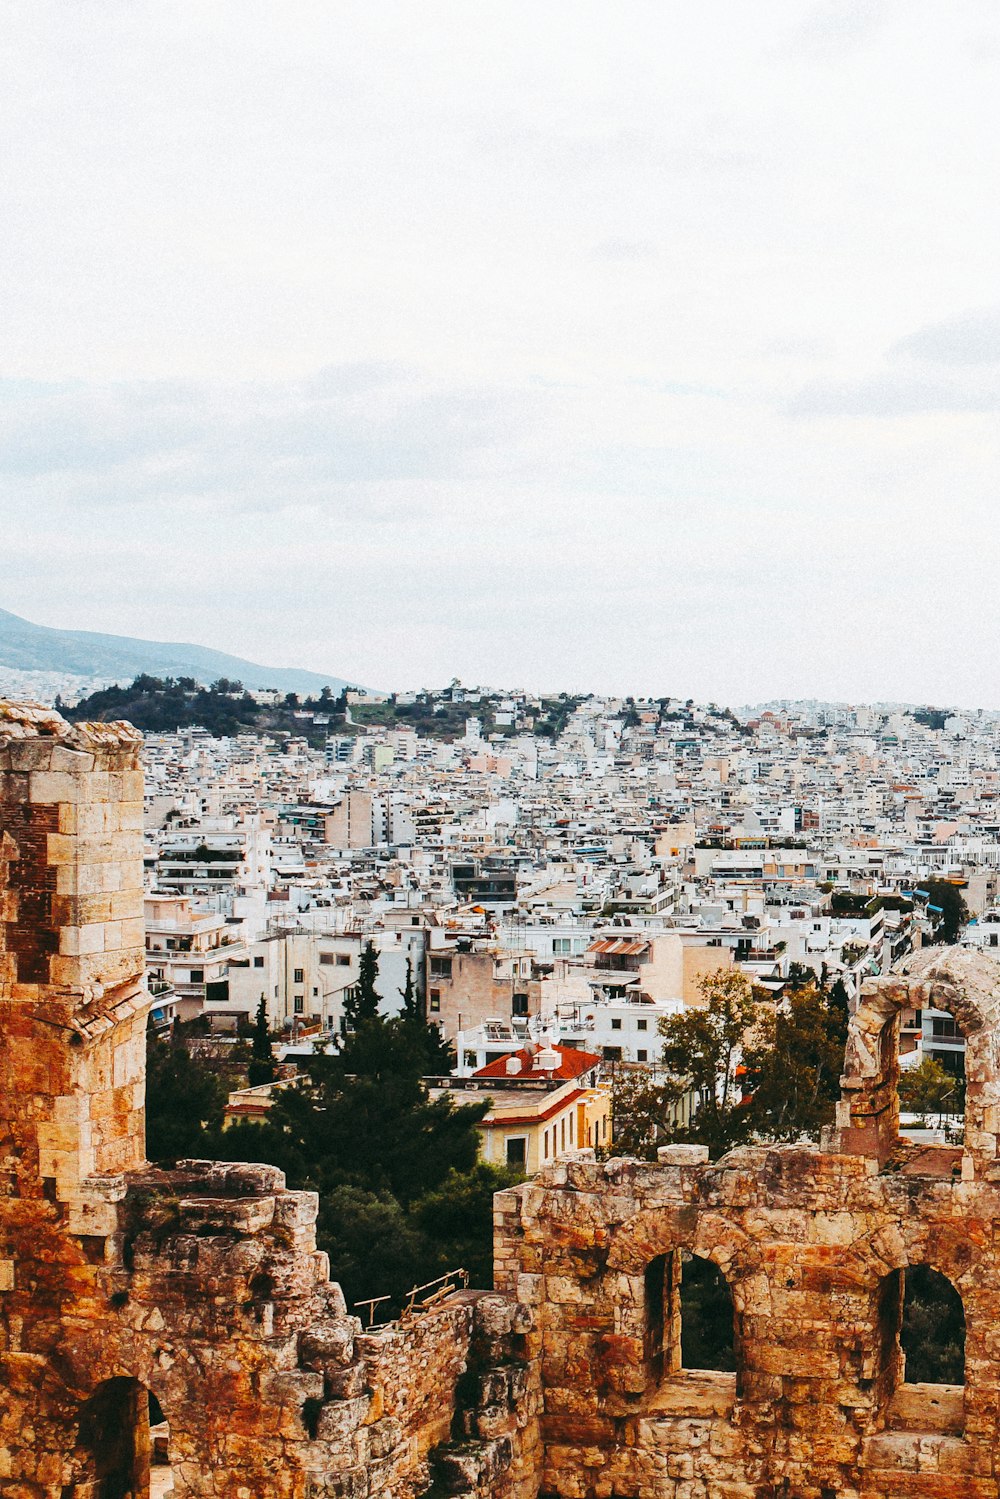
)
(812, 1243)
(203, 1284)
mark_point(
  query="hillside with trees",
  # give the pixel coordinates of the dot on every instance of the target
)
(162, 705)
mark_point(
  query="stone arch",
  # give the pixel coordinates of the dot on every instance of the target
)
(644, 1263)
(958, 980)
(122, 1442)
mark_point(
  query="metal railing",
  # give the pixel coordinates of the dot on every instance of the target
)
(419, 1300)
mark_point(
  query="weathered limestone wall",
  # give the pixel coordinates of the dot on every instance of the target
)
(811, 1243)
(201, 1285)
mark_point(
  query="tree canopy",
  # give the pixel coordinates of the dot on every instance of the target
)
(403, 1195)
(750, 1068)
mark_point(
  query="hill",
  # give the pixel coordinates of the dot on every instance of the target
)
(163, 707)
(28, 647)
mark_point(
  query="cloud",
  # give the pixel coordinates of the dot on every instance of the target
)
(971, 339)
(839, 26)
(347, 426)
(890, 395)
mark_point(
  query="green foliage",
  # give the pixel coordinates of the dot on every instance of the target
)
(184, 1103)
(262, 1068)
(926, 1088)
(641, 1107)
(702, 1050)
(162, 705)
(362, 1001)
(375, 1248)
(408, 994)
(951, 903)
(759, 1070)
(933, 1332)
(403, 1196)
(456, 1221)
(794, 1060)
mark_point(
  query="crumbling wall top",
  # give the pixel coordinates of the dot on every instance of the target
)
(21, 721)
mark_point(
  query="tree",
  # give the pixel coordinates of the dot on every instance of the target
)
(362, 1000)
(408, 993)
(703, 1051)
(456, 1220)
(184, 1103)
(793, 1064)
(641, 1107)
(262, 1068)
(926, 1088)
(950, 902)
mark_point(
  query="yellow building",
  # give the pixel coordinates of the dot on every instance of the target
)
(544, 1103)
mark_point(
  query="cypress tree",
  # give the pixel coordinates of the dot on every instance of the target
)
(361, 1003)
(262, 1067)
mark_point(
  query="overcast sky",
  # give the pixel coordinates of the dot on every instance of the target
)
(648, 345)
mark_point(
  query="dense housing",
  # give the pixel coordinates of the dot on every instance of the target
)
(135, 1300)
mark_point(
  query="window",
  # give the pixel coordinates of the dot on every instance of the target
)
(519, 1004)
(326, 959)
(642, 1055)
(258, 962)
(414, 920)
(612, 1053)
(562, 1132)
(343, 961)
(616, 1025)
(197, 975)
(545, 1144)
(707, 1318)
(517, 1150)
(945, 1028)
(921, 1335)
(299, 1004)
(315, 993)
(561, 947)
(642, 1025)
(441, 968)
(932, 1337)
(435, 1000)
(298, 976)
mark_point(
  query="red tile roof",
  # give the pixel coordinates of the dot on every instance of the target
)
(572, 1063)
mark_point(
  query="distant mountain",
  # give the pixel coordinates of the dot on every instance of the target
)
(28, 647)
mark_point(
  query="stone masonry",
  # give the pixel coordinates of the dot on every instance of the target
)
(202, 1286)
(812, 1243)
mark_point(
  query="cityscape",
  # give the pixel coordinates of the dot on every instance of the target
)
(499, 750)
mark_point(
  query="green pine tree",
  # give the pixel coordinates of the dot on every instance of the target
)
(262, 1068)
(362, 1001)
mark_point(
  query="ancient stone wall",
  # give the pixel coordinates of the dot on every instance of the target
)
(811, 1243)
(201, 1286)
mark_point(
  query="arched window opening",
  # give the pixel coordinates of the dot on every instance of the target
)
(932, 1337)
(932, 1090)
(124, 1440)
(707, 1317)
(921, 1330)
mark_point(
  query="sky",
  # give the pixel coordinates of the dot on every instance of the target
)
(639, 347)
